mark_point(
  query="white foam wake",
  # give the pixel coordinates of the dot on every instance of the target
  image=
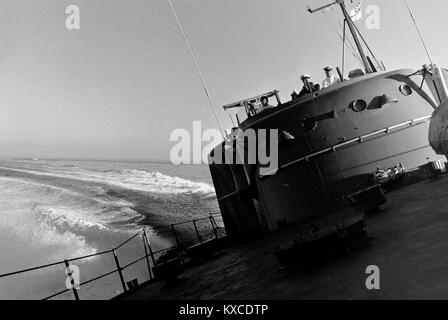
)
(35, 236)
(152, 182)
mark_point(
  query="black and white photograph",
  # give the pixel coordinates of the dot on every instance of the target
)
(223, 155)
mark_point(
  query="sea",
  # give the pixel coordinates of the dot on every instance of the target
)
(52, 210)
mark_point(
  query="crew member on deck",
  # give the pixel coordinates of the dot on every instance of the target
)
(308, 86)
(294, 95)
(330, 77)
(265, 104)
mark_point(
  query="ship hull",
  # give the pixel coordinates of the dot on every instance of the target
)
(340, 136)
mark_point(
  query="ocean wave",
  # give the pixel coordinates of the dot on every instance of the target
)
(67, 218)
(155, 182)
(25, 228)
(74, 209)
(152, 182)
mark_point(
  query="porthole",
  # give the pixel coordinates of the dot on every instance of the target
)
(405, 90)
(309, 124)
(358, 105)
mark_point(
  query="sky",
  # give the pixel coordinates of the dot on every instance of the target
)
(117, 87)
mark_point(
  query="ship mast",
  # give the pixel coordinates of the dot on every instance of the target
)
(352, 28)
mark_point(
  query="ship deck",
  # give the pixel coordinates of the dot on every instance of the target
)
(409, 245)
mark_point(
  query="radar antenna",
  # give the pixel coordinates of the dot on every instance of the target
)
(352, 28)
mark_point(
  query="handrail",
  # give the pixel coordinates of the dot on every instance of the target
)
(90, 255)
(118, 269)
(56, 294)
(138, 233)
(135, 261)
(183, 222)
(166, 249)
(30, 269)
(334, 147)
(105, 274)
(99, 277)
(359, 139)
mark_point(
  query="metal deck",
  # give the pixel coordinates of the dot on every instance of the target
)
(410, 247)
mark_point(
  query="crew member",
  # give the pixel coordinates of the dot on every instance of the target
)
(308, 86)
(265, 104)
(294, 95)
(330, 77)
(379, 171)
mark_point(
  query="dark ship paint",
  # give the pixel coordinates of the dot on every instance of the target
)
(337, 137)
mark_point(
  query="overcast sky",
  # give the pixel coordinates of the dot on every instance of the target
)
(117, 87)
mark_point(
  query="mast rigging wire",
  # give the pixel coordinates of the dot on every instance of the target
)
(346, 43)
(353, 49)
(350, 45)
(197, 69)
(367, 45)
(343, 53)
(418, 30)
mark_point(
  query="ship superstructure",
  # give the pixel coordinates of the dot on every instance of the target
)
(329, 143)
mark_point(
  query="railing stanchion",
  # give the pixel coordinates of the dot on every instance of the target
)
(146, 244)
(213, 226)
(175, 235)
(150, 248)
(197, 232)
(146, 254)
(72, 281)
(119, 270)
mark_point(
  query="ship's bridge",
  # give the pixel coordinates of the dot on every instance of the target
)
(373, 98)
(252, 105)
(253, 108)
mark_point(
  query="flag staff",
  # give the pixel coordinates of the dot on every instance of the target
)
(352, 28)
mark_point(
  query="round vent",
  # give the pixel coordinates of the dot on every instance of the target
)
(309, 124)
(358, 105)
(405, 90)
